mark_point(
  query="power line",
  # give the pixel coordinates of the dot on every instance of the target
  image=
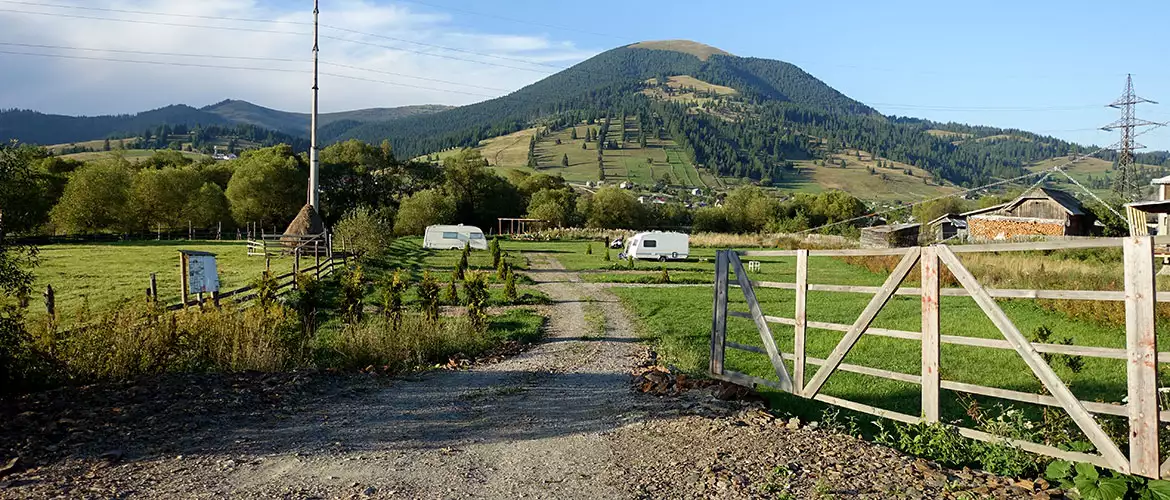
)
(143, 52)
(239, 68)
(431, 54)
(513, 20)
(340, 39)
(979, 108)
(443, 47)
(411, 76)
(149, 13)
(246, 58)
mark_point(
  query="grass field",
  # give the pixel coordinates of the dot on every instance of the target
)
(104, 274)
(132, 155)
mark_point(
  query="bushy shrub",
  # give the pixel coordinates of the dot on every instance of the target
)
(476, 291)
(451, 296)
(353, 290)
(428, 296)
(365, 232)
(510, 286)
(392, 298)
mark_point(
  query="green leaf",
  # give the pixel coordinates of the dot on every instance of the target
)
(1158, 490)
(1112, 488)
(1087, 472)
(1058, 470)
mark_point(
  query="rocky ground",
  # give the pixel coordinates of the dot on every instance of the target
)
(558, 420)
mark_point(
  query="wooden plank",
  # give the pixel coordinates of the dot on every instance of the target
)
(1142, 369)
(1041, 449)
(801, 326)
(1039, 245)
(745, 347)
(851, 337)
(1030, 397)
(761, 324)
(999, 293)
(1031, 357)
(719, 317)
(866, 370)
(746, 380)
(930, 335)
(864, 408)
(1071, 350)
(846, 252)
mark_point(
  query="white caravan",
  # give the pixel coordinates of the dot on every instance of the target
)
(454, 237)
(659, 245)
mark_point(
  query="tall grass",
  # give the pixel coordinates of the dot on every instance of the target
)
(771, 240)
(141, 339)
(414, 342)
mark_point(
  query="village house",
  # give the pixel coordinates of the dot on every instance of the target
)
(1038, 212)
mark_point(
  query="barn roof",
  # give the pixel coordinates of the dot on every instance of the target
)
(1066, 200)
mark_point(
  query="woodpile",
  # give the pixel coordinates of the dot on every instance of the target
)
(992, 227)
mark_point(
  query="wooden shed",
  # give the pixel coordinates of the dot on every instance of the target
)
(890, 236)
(947, 226)
(1039, 212)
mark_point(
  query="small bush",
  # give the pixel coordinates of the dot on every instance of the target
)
(461, 268)
(663, 278)
(607, 259)
(510, 286)
(307, 301)
(589, 249)
(353, 290)
(476, 292)
(392, 298)
(451, 296)
(428, 297)
(497, 254)
(630, 262)
(502, 269)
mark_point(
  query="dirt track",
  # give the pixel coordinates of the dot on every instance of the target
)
(558, 421)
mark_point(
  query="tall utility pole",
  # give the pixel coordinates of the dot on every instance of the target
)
(314, 162)
(1125, 181)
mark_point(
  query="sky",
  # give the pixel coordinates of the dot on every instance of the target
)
(1045, 66)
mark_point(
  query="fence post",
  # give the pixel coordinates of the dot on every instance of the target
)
(296, 262)
(930, 333)
(190, 231)
(183, 280)
(1142, 346)
(153, 287)
(317, 258)
(267, 263)
(719, 321)
(215, 298)
(801, 321)
(50, 303)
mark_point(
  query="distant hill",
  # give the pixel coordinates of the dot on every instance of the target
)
(235, 111)
(40, 128)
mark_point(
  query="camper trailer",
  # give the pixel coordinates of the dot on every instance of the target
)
(454, 237)
(658, 245)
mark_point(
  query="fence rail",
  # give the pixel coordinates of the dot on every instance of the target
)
(1140, 354)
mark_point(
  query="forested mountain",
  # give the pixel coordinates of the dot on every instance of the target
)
(40, 128)
(603, 83)
(235, 111)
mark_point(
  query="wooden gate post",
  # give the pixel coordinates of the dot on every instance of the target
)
(719, 323)
(317, 258)
(153, 287)
(801, 321)
(930, 333)
(183, 280)
(1142, 346)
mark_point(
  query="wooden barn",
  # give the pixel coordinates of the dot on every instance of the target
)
(947, 226)
(1039, 212)
(890, 236)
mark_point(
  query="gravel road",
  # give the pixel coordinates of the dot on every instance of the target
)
(556, 421)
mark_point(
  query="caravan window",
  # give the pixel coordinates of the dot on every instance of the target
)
(450, 235)
(649, 243)
(477, 236)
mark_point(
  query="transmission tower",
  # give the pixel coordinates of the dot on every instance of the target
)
(1125, 181)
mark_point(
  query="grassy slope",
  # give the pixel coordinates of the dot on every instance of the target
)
(1080, 171)
(130, 154)
(856, 180)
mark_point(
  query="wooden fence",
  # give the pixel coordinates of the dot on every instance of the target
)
(1140, 297)
(325, 263)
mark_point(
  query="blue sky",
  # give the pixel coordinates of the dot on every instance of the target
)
(1045, 66)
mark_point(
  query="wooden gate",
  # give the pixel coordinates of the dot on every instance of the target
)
(1141, 354)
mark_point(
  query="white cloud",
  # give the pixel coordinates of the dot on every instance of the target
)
(79, 86)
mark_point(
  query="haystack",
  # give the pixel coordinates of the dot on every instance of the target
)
(307, 223)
